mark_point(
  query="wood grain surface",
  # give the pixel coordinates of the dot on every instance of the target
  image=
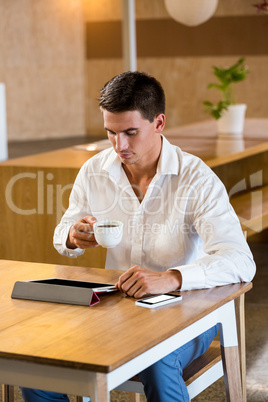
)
(98, 338)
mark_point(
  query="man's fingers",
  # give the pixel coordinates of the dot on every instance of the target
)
(136, 289)
(126, 280)
(83, 227)
(131, 281)
(82, 236)
(83, 239)
(122, 279)
(131, 271)
(85, 244)
(89, 219)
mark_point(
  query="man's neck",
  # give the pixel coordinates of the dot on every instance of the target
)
(137, 174)
(140, 175)
(145, 168)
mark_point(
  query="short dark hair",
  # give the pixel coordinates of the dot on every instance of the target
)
(131, 91)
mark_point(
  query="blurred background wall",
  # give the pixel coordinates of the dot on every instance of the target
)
(42, 66)
(55, 55)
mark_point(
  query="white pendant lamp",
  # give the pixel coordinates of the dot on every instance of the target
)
(191, 12)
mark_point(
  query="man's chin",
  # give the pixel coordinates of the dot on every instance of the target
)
(128, 159)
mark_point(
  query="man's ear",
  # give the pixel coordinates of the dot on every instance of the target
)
(160, 123)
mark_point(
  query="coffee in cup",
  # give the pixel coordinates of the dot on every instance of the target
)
(108, 233)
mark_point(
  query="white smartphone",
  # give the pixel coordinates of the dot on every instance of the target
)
(159, 300)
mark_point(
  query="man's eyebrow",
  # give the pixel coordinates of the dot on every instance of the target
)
(124, 131)
(107, 129)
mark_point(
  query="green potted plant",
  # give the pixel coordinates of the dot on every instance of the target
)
(227, 112)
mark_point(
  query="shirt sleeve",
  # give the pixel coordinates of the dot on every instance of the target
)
(227, 257)
(78, 208)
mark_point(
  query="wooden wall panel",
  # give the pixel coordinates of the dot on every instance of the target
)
(166, 38)
(185, 82)
(104, 40)
(42, 66)
(52, 80)
(181, 57)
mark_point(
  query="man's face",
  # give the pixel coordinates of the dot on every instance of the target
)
(134, 138)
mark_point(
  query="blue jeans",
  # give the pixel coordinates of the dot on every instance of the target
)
(162, 381)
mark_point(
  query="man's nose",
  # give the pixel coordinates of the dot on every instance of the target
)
(121, 142)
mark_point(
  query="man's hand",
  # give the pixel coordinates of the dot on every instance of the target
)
(81, 234)
(139, 282)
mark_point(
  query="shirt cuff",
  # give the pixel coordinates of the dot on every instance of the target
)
(193, 276)
(74, 253)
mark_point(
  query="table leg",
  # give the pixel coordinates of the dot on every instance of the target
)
(230, 353)
(232, 377)
(102, 393)
(7, 393)
(134, 397)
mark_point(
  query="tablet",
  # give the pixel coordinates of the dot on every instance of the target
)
(58, 290)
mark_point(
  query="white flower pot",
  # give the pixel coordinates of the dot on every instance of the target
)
(232, 120)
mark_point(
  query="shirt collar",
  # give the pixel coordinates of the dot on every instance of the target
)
(168, 162)
(113, 165)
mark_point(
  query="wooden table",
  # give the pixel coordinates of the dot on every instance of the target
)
(202, 139)
(89, 351)
(35, 189)
(34, 194)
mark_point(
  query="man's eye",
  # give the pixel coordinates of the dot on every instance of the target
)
(131, 133)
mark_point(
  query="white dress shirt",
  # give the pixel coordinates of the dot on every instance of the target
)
(185, 220)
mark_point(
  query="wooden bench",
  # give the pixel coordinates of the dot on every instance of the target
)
(240, 162)
(245, 176)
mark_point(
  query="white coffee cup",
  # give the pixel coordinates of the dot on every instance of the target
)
(108, 233)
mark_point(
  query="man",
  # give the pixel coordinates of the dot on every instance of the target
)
(180, 231)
